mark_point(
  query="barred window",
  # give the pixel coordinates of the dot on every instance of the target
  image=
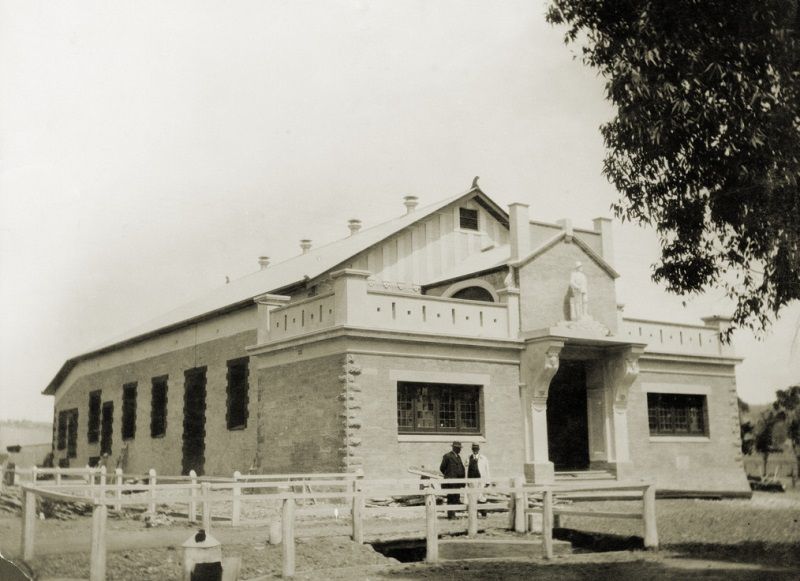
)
(93, 433)
(107, 427)
(62, 430)
(237, 393)
(424, 408)
(677, 414)
(72, 433)
(158, 407)
(468, 219)
(128, 411)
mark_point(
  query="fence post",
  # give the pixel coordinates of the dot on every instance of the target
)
(103, 482)
(97, 565)
(237, 499)
(287, 524)
(357, 514)
(206, 489)
(151, 482)
(90, 481)
(520, 505)
(58, 475)
(547, 523)
(33, 475)
(431, 533)
(472, 510)
(193, 502)
(649, 514)
(118, 488)
(28, 523)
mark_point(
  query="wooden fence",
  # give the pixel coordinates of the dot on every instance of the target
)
(105, 493)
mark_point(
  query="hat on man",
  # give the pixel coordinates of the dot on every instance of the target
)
(456, 444)
(476, 446)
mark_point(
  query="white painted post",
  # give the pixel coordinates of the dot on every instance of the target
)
(206, 490)
(472, 510)
(28, 523)
(33, 475)
(97, 564)
(512, 504)
(58, 475)
(357, 514)
(193, 502)
(287, 524)
(649, 513)
(90, 481)
(520, 505)
(102, 490)
(431, 533)
(237, 499)
(118, 488)
(547, 523)
(151, 482)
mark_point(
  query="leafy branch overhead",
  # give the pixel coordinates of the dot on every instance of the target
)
(705, 144)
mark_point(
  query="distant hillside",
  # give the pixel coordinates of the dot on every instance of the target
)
(24, 433)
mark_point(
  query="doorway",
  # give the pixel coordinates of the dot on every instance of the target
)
(106, 427)
(567, 418)
(194, 420)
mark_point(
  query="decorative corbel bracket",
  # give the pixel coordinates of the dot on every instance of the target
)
(540, 362)
(623, 369)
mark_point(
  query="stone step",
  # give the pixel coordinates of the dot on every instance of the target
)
(465, 549)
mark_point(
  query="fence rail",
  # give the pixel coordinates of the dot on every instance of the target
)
(356, 491)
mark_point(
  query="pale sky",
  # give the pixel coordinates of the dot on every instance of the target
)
(148, 149)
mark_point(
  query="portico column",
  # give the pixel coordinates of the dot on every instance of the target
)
(622, 371)
(538, 365)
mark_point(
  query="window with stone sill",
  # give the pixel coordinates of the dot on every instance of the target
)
(93, 430)
(677, 414)
(237, 393)
(158, 407)
(129, 411)
(437, 408)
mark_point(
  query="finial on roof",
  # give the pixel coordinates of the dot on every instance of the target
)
(354, 224)
(263, 262)
(411, 203)
(305, 245)
(475, 182)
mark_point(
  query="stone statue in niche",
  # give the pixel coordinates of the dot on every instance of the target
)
(579, 294)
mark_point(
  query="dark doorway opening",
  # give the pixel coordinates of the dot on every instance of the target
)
(567, 418)
(106, 427)
(194, 420)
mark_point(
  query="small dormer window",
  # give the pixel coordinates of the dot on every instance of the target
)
(468, 219)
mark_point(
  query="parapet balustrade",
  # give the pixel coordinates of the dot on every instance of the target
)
(674, 338)
(352, 303)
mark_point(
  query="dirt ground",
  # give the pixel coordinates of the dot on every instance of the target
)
(730, 539)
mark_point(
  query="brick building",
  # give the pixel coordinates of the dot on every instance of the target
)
(460, 320)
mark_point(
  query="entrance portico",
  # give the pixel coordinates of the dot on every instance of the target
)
(609, 367)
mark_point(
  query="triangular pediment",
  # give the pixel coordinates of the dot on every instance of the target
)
(566, 238)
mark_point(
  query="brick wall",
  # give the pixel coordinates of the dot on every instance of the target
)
(385, 456)
(712, 464)
(302, 428)
(544, 289)
(225, 451)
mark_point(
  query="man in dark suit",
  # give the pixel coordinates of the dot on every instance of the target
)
(453, 467)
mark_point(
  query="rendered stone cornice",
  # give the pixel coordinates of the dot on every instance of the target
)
(272, 300)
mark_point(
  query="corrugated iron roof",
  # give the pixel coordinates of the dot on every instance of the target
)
(271, 279)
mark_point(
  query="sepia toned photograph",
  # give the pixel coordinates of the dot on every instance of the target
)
(380, 291)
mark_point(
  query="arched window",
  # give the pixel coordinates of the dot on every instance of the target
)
(474, 293)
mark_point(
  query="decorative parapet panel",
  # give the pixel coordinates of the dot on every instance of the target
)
(302, 317)
(352, 304)
(424, 314)
(673, 338)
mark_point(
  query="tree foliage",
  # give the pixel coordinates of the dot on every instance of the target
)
(705, 143)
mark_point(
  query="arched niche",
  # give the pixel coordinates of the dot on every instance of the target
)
(474, 289)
